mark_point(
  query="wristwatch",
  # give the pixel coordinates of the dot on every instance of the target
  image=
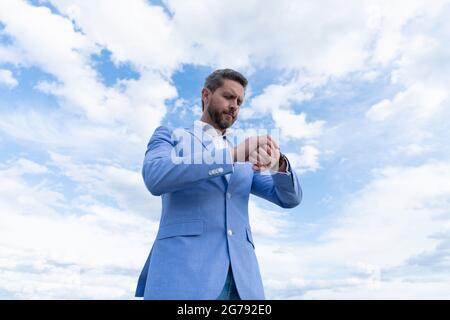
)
(280, 160)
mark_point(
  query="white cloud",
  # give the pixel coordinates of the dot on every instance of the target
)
(419, 66)
(387, 290)
(380, 111)
(9, 54)
(394, 224)
(56, 130)
(395, 204)
(255, 39)
(391, 236)
(294, 125)
(306, 160)
(51, 42)
(22, 166)
(370, 76)
(14, 194)
(413, 149)
(36, 277)
(273, 98)
(125, 186)
(409, 119)
(55, 247)
(264, 222)
(389, 19)
(7, 78)
(134, 31)
(419, 101)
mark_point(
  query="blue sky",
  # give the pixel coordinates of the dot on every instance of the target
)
(360, 96)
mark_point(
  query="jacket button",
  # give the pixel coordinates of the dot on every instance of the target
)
(230, 232)
(228, 195)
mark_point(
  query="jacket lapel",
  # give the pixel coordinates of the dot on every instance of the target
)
(205, 139)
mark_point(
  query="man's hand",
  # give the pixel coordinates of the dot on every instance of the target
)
(262, 151)
(241, 153)
(266, 157)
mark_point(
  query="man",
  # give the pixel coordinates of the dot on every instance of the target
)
(204, 248)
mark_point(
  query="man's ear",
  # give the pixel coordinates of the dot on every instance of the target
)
(206, 95)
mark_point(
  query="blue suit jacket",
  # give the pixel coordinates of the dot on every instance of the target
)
(204, 224)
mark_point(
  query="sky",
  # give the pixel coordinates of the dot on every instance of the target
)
(358, 89)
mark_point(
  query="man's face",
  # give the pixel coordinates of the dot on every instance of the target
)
(223, 105)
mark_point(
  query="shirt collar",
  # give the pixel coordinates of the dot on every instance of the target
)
(209, 129)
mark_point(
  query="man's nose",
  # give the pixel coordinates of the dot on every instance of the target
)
(232, 109)
(233, 105)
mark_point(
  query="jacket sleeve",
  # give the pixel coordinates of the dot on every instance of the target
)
(281, 188)
(165, 169)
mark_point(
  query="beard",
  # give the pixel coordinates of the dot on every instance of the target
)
(220, 118)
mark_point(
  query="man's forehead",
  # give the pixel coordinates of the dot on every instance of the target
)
(233, 87)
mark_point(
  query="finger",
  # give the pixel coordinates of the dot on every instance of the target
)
(253, 158)
(259, 167)
(263, 157)
(264, 143)
(256, 165)
(275, 154)
(275, 144)
(256, 160)
(263, 139)
(272, 143)
(275, 158)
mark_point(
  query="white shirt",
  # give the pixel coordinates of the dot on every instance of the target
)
(219, 140)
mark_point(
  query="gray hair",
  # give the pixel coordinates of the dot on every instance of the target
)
(215, 79)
